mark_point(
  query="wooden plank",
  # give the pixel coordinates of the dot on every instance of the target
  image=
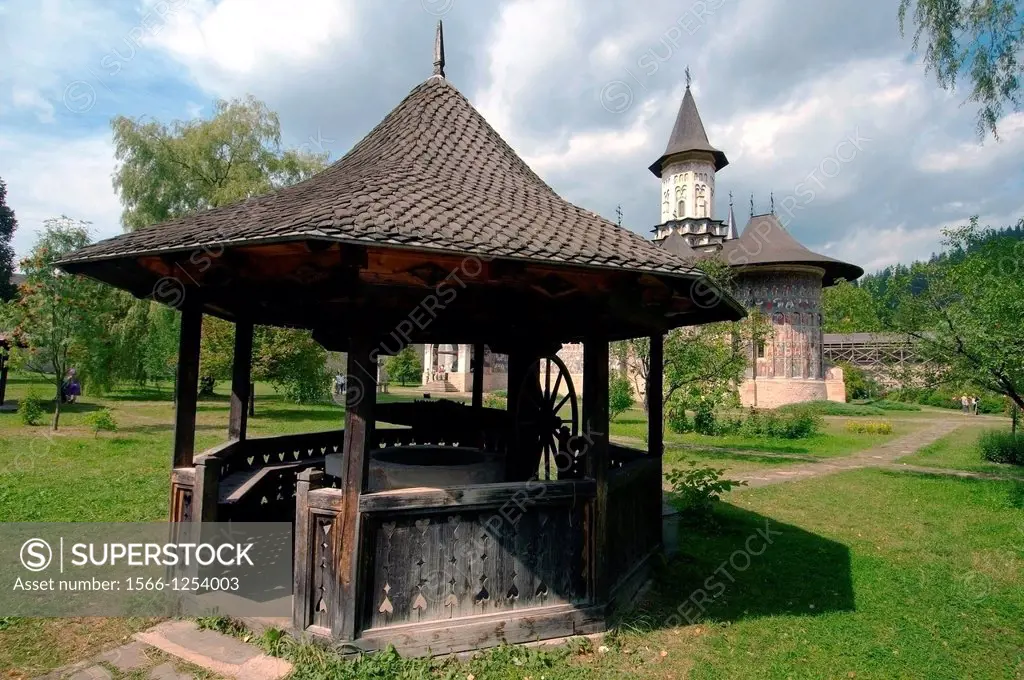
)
(302, 567)
(481, 496)
(206, 491)
(359, 419)
(478, 375)
(187, 387)
(489, 630)
(655, 397)
(634, 471)
(241, 371)
(595, 423)
(235, 486)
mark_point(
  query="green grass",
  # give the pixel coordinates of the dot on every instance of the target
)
(833, 408)
(959, 451)
(887, 405)
(833, 440)
(878, 574)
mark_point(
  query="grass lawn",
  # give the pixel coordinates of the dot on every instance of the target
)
(959, 450)
(833, 440)
(873, 574)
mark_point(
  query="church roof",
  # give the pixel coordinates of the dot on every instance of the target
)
(765, 241)
(676, 244)
(432, 175)
(688, 135)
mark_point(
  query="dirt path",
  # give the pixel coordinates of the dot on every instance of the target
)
(879, 456)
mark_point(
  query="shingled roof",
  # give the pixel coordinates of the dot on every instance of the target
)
(765, 241)
(688, 135)
(432, 175)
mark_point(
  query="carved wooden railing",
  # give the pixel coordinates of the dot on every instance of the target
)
(634, 515)
(432, 555)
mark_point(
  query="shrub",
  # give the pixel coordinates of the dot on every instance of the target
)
(676, 418)
(790, 424)
(869, 427)
(620, 396)
(887, 405)
(832, 408)
(699, 488)
(859, 385)
(704, 421)
(31, 409)
(1002, 447)
(495, 400)
(102, 420)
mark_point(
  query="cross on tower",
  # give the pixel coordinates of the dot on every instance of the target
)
(687, 76)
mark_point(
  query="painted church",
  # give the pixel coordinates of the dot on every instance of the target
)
(774, 274)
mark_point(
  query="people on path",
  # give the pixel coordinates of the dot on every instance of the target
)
(975, 403)
(339, 383)
(71, 388)
(965, 404)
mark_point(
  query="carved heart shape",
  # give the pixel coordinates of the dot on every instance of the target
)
(422, 525)
(386, 607)
(420, 602)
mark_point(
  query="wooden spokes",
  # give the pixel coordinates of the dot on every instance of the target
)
(549, 412)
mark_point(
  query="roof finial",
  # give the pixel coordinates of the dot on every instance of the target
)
(439, 50)
(730, 199)
(772, 209)
(687, 76)
(751, 203)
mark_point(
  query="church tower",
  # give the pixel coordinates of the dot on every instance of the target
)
(687, 172)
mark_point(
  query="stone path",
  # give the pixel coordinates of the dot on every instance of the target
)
(213, 654)
(880, 456)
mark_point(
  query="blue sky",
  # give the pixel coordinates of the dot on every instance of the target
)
(822, 104)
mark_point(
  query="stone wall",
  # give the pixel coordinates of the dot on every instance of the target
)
(774, 392)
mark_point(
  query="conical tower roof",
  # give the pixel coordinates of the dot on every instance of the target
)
(688, 135)
(765, 242)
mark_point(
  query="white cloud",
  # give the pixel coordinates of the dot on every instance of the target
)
(961, 156)
(26, 98)
(873, 248)
(48, 176)
(529, 37)
(236, 40)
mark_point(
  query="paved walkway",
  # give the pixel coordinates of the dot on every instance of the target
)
(879, 456)
(177, 650)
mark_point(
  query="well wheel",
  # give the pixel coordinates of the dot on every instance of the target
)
(548, 415)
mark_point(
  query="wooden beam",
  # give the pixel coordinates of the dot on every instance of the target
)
(241, 371)
(498, 496)
(187, 387)
(595, 424)
(655, 397)
(361, 398)
(478, 375)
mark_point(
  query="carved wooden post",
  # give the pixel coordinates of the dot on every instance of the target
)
(656, 420)
(655, 397)
(187, 387)
(478, 375)
(241, 370)
(595, 432)
(207, 490)
(362, 372)
(303, 602)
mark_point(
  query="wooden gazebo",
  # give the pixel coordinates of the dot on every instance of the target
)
(431, 229)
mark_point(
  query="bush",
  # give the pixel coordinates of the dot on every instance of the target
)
(31, 409)
(869, 427)
(1001, 447)
(704, 421)
(887, 405)
(620, 396)
(832, 408)
(495, 400)
(947, 398)
(790, 424)
(859, 385)
(102, 420)
(676, 418)
(699, 488)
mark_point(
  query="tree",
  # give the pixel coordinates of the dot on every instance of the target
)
(61, 316)
(620, 396)
(849, 308)
(405, 367)
(166, 171)
(969, 315)
(7, 226)
(977, 40)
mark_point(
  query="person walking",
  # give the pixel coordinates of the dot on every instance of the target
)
(965, 403)
(975, 404)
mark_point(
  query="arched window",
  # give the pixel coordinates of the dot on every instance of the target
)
(701, 207)
(681, 201)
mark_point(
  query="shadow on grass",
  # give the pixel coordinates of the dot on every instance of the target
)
(678, 454)
(320, 415)
(65, 409)
(163, 428)
(751, 566)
